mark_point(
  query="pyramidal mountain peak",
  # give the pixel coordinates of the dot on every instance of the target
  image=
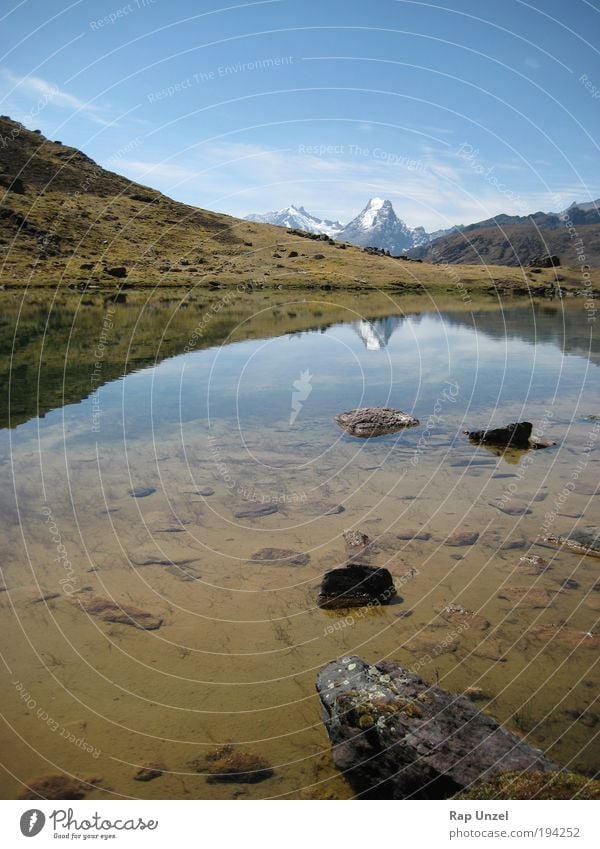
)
(377, 226)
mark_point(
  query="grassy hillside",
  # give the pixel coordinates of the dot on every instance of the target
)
(66, 221)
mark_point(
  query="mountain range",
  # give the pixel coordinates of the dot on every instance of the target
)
(502, 240)
(376, 226)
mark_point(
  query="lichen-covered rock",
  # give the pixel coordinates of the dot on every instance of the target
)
(374, 421)
(356, 585)
(585, 542)
(456, 614)
(356, 540)
(534, 785)
(396, 737)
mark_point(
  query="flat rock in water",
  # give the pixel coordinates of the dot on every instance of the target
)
(394, 736)
(461, 538)
(499, 541)
(584, 542)
(141, 491)
(54, 787)
(459, 615)
(254, 510)
(564, 637)
(111, 611)
(411, 533)
(431, 643)
(374, 421)
(588, 488)
(280, 557)
(148, 556)
(38, 596)
(165, 522)
(356, 585)
(149, 772)
(226, 765)
(356, 540)
(531, 564)
(511, 509)
(514, 435)
(526, 597)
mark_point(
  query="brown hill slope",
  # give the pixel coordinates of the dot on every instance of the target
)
(65, 220)
(515, 240)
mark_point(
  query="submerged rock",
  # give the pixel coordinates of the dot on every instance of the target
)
(461, 538)
(54, 787)
(141, 491)
(516, 435)
(456, 614)
(165, 522)
(395, 737)
(122, 614)
(226, 764)
(510, 509)
(374, 421)
(356, 540)
(586, 542)
(526, 597)
(356, 585)
(149, 772)
(149, 556)
(255, 509)
(413, 533)
(280, 557)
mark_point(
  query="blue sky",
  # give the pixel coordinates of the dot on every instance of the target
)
(455, 111)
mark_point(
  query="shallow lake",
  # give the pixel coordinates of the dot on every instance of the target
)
(208, 406)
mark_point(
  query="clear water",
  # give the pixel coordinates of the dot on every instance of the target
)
(247, 415)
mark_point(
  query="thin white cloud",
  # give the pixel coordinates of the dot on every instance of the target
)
(43, 93)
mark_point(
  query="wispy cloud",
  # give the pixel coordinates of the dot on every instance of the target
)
(435, 190)
(40, 93)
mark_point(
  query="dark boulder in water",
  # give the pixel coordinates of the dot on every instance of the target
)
(516, 435)
(394, 736)
(356, 585)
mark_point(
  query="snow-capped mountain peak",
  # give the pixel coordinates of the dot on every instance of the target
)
(376, 226)
(297, 218)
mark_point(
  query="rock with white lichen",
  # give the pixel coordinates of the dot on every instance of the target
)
(396, 737)
(374, 421)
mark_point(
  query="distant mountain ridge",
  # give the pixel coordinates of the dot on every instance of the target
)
(502, 240)
(297, 218)
(376, 226)
(573, 235)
